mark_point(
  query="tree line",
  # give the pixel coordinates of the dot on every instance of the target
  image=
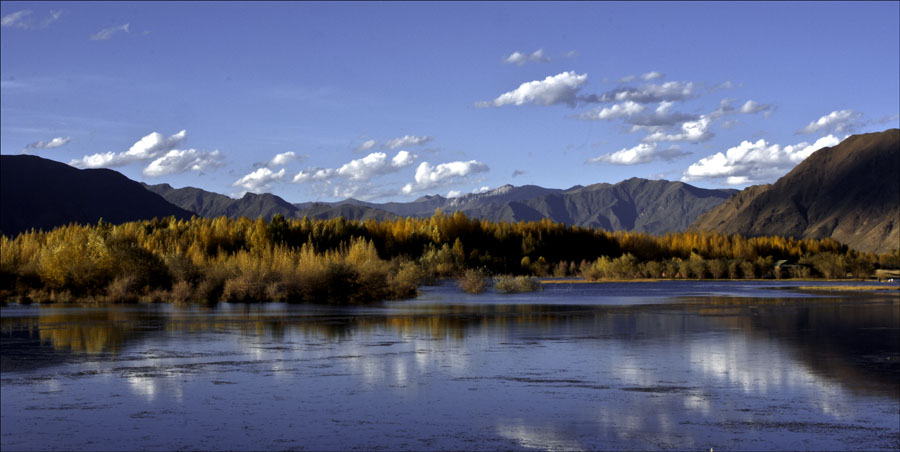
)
(346, 261)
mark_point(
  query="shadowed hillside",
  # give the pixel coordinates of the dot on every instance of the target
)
(40, 193)
(849, 192)
(210, 205)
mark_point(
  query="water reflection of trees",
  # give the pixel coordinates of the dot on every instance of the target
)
(853, 342)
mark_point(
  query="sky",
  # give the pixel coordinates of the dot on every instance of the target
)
(392, 101)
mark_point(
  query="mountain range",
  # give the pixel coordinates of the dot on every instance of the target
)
(652, 206)
(849, 192)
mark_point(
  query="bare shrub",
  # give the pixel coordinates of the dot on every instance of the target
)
(472, 281)
(516, 284)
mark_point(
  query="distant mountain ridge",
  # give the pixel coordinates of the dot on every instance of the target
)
(849, 192)
(43, 194)
(209, 204)
(652, 206)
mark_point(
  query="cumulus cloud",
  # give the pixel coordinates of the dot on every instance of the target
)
(403, 159)
(182, 161)
(365, 146)
(627, 108)
(628, 79)
(561, 88)
(406, 140)
(651, 75)
(54, 143)
(838, 121)
(754, 162)
(148, 147)
(454, 194)
(642, 153)
(519, 59)
(428, 176)
(374, 164)
(691, 131)
(282, 159)
(313, 174)
(108, 33)
(259, 181)
(363, 169)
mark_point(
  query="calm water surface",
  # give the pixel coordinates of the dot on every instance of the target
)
(667, 365)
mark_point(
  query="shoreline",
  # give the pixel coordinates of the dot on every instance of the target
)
(641, 280)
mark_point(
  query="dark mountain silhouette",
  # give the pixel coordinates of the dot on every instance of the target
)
(209, 204)
(652, 206)
(849, 192)
(42, 194)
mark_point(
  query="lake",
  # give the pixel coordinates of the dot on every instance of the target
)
(649, 365)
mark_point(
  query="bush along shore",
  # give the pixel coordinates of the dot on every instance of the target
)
(337, 261)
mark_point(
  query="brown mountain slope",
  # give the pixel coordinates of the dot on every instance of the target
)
(849, 192)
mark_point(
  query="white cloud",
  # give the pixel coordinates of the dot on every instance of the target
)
(454, 194)
(642, 153)
(54, 143)
(651, 93)
(403, 159)
(259, 181)
(15, 19)
(375, 164)
(519, 59)
(483, 189)
(364, 168)
(751, 107)
(100, 160)
(651, 75)
(406, 140)
(148, 147)
(555, 89)
(754, 162)
(155, 143)
(662, 116)
(182, 161)
(20, 19)
(366, 145)
(283, 158)
(838, 121)
(692, 131)
(627, 108)
(107, 33)
(428, 176)
(313, 174)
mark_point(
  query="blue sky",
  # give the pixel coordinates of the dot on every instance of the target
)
(392, 101)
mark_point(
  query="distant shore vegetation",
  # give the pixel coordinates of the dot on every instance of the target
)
(338, 261)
